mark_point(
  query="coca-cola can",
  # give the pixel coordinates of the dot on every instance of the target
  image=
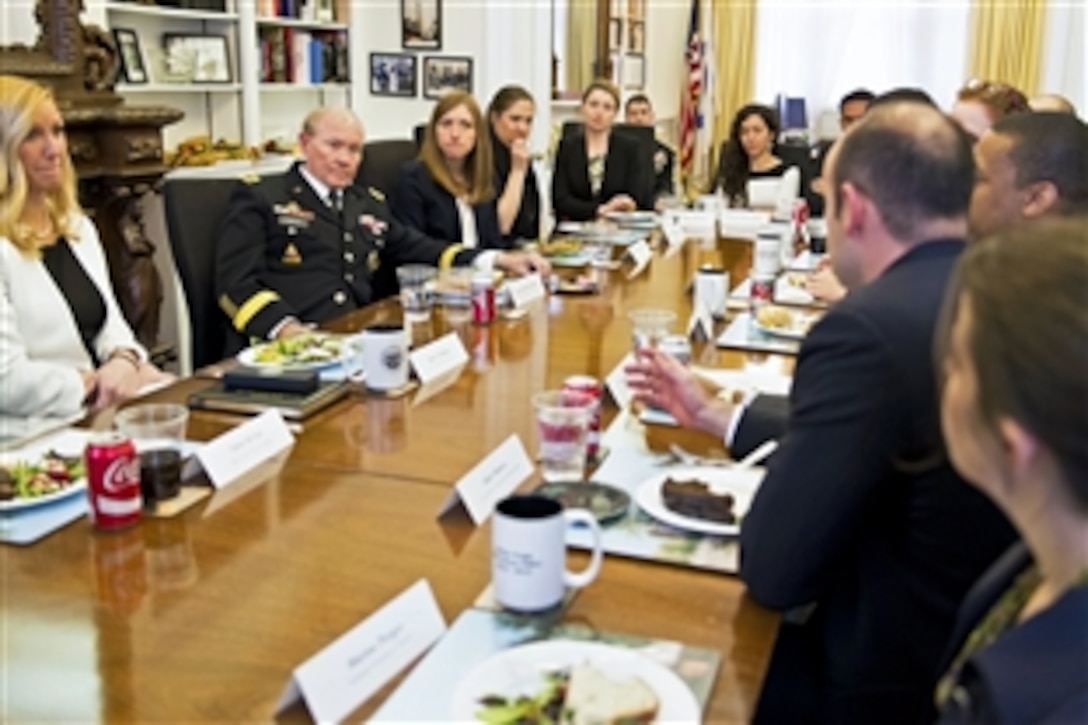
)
(113, 481)
(762, 291)
(678, 346)
(588, 385)
(483, 300)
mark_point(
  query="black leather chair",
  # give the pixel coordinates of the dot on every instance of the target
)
(194, 209)
(382, 161)
(418, 133)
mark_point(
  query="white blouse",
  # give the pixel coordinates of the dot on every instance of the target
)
(470, 237)
(41, 351)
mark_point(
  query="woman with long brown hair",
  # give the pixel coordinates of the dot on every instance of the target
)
(63, 341)
(448, 193)
(510, 115)
(1014, 411)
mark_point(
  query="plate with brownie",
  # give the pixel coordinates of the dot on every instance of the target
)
(701, 499)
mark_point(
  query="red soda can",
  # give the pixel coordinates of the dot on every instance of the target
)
(113, 481)
(588, 385)
(762, 292)
(483, 300)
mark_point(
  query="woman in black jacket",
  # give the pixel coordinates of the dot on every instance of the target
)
(510, 116)
(447, 192)
(598, 171)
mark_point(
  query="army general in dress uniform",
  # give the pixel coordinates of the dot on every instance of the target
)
(303, 246)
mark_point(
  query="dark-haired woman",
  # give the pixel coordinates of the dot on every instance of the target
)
(510, 116)
(1014, 411)
(598, 171)
(749, 173)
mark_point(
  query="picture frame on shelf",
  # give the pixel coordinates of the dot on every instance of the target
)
(132, 68)
(196, 58)
(443, 74)
(636, 31)
(614, 34)
(421, 24)
(393, 74)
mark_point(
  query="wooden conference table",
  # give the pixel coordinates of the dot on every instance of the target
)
(203, 616)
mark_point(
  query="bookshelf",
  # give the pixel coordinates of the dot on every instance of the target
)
(281, 59)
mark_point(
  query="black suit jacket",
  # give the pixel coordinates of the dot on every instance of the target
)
(419, 202)
(624, 173)
(860, 511)
(283, 252)
(1036, 672)
(527, 222)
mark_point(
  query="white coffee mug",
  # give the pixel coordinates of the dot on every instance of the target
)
(529, 551)
(385, 357)
(767, 258)
(712, 290)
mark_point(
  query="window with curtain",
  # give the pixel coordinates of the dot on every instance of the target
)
(821, 50)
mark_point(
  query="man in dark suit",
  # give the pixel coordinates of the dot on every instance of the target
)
(861, 531)
(639, 112)
(304, 246)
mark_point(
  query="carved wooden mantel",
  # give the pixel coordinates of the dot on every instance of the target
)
(117, 149)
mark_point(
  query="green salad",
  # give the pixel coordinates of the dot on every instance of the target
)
(25, 480)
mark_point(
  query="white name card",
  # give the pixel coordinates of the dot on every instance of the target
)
(640, 254)
(673, 229)
(491, 480)
(701, 324)
(524, 290)
(242, 449)
(438, 358)
(616, 382)
(345, 673)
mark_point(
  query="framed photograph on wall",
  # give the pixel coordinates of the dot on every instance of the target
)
(634, 72)
(421, 24)
(393, 74)
(197, 58)
(614, 34)
(132, 68)
(444, 74)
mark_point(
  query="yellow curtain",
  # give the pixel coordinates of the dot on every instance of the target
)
(1007, 42)
(733, 35)
(581, 44)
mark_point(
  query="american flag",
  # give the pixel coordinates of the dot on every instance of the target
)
(690, 117)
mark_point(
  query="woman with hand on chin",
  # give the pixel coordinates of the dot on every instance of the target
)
(1014, 410)
(63, 341)
(511, 118)
(597, 171)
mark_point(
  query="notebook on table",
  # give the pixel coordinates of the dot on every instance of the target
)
(293, 406)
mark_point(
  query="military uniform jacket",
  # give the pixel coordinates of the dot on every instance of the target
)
(283, 251)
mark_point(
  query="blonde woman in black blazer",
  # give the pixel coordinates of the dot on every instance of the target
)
(597, 171)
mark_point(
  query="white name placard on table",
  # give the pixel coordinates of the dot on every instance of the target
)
(346, 672)
(525, 290)
(640, 254)
(242, 449)
(491, 480)
(438, 358)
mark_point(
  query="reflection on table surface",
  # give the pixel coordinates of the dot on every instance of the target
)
(203, 616)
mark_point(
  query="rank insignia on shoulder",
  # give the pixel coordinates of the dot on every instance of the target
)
(376, 193)
(373, 261)
(291, 255)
